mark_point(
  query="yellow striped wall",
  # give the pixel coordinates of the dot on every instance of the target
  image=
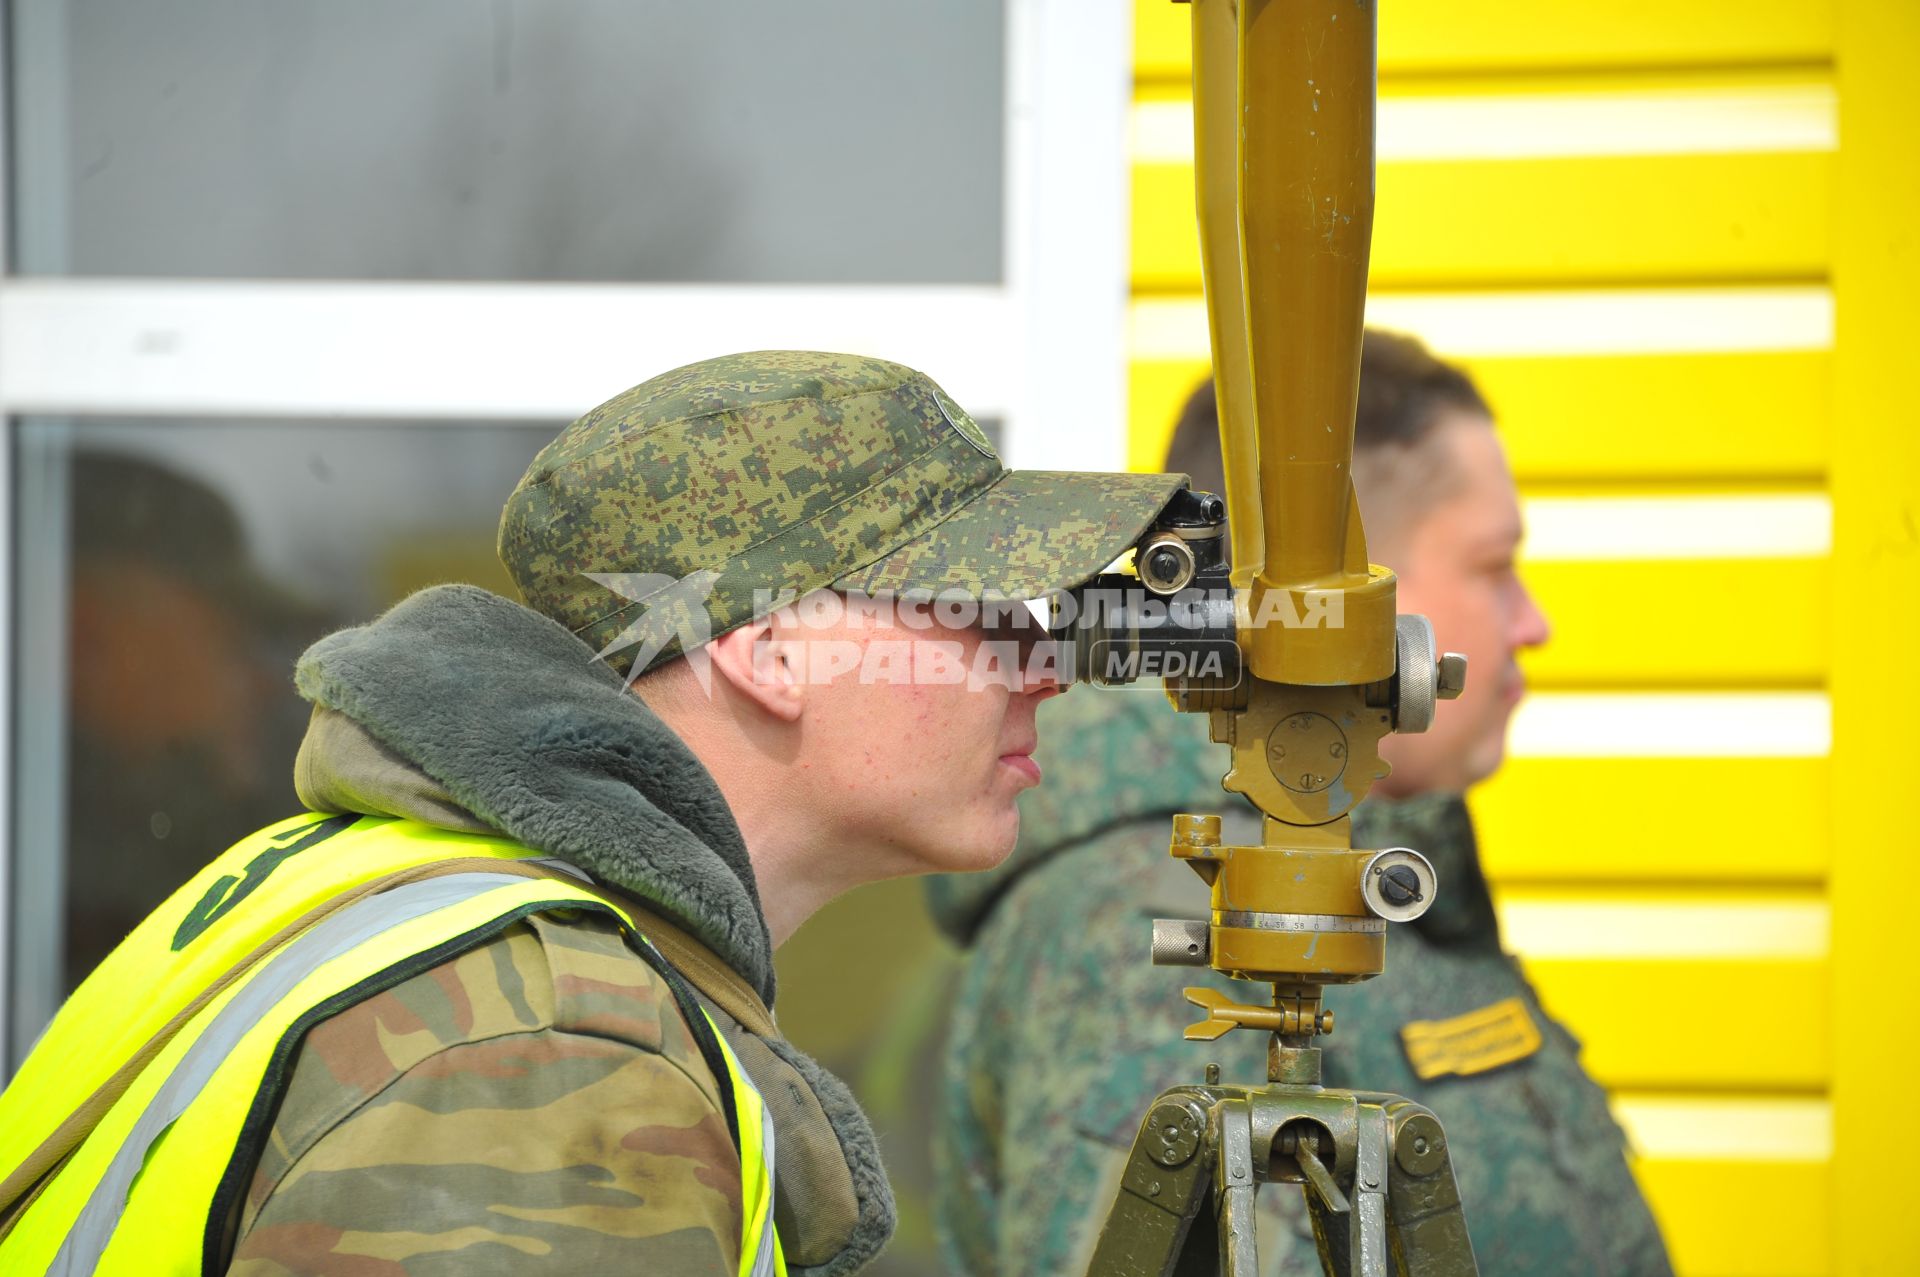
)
(1631, 221)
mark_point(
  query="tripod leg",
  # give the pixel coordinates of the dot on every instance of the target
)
(1328, 1210)
(1233, 1189)
(1429, 1230)
(1367, 1221)
(1165, 1186)
(1401, 1214)
(1350, 1228)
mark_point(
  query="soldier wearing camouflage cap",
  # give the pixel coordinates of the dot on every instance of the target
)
(502, 999)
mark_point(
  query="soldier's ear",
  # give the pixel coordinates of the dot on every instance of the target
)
(763, 665)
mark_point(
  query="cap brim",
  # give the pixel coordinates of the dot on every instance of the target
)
(1033, 533)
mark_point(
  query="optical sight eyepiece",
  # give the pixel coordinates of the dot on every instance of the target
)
(1172, 617)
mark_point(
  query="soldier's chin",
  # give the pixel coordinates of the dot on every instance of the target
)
(1489, 755)
(990, 850)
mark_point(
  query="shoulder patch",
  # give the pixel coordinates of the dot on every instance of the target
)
(1476, 1042)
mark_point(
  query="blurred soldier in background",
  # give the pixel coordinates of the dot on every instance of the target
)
(1062, 1033)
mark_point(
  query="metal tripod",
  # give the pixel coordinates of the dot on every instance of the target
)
(1374, 1168)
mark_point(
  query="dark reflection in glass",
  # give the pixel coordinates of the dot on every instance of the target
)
(203, 558)
(177, 695)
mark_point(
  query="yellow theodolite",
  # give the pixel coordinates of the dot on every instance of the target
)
(1291, 644)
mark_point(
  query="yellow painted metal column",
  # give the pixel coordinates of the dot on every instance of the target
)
(1876, 616)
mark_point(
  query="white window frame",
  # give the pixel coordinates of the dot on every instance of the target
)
(1043, 351)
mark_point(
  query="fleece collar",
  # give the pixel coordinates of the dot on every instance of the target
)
(513, 717)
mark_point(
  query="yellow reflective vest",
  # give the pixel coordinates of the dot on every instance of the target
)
(132, 1129)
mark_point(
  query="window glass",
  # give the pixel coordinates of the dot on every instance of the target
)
(837, 141)
(171, 573)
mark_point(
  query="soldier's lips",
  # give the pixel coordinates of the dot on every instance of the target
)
(1024, 764)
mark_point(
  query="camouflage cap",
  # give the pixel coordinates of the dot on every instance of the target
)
(675, 512)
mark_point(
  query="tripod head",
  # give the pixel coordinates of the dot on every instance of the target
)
(1303, 909)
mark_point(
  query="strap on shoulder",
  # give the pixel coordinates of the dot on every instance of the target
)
(705, 1036)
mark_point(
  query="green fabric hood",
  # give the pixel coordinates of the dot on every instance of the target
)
(486, 709)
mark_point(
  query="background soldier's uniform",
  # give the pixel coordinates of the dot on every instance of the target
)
(1062, 1032)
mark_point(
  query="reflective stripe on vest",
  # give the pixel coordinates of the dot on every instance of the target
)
(147, 1189)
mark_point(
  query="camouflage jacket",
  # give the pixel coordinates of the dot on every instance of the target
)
(1062, 1032)
(538, 1104)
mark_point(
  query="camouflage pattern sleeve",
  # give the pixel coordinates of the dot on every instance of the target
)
(535, 1105)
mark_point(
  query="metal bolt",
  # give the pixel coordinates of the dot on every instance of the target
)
(1164, 564)
(1421, 1146)
(1400, 885)
(1213, 1075)
(1452, 678)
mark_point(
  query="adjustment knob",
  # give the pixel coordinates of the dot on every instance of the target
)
(1416, 674)
(1166, 563)
(1398, 884)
